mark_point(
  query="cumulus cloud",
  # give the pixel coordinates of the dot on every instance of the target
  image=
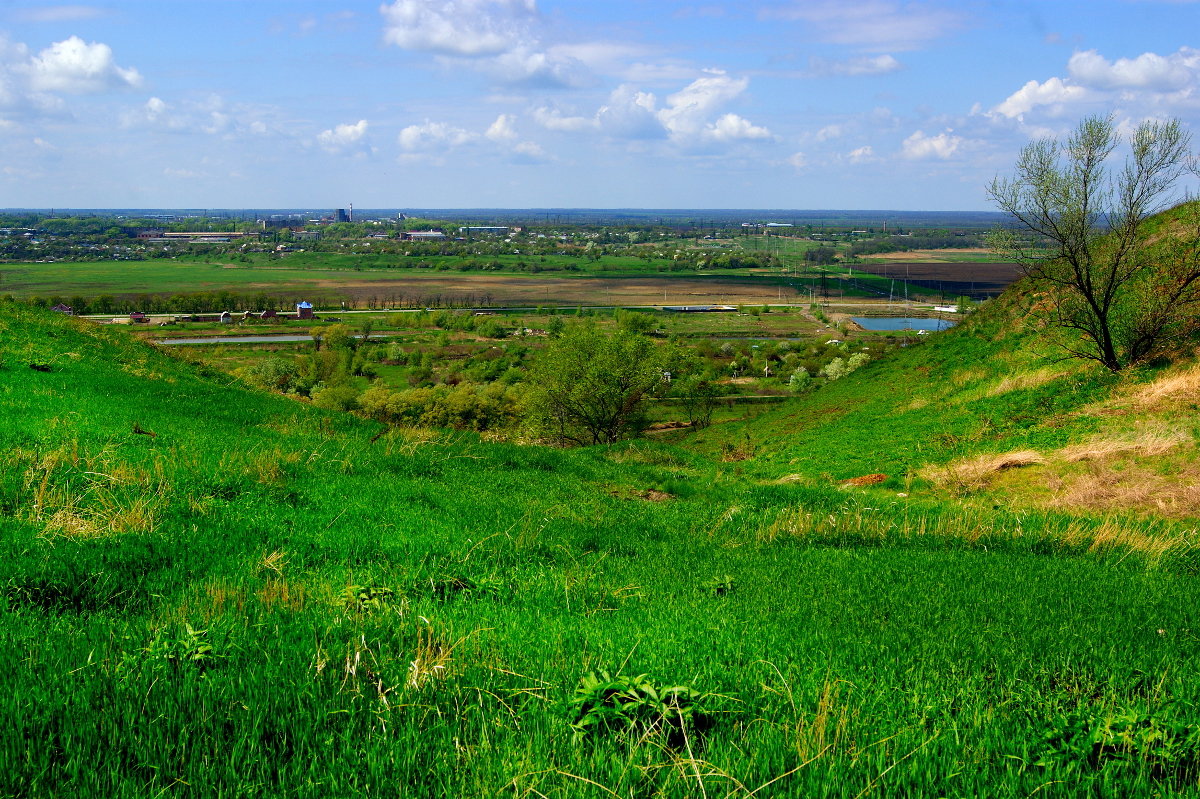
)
(469, 28)
(798, 160)
(630, 114)
(852, 67)
(1148, 83)
(75, 67)
(502, 129)
(553, 119)
(731, 127)
(686, 109)
(497, 37)
(31, 85)
(874, 25)
(690, 116)
(433, 136)
(830, 132)
(685, 115)
(210, 115)
(343, 137)
(861, 155)
(1147, 71)
(919, 147)
(1054, 92)
(529, 152)
(537, 68)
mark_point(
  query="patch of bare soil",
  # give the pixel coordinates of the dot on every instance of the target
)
(865, 480)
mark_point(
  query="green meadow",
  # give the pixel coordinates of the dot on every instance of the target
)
(212, 590)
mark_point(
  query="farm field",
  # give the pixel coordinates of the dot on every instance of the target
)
(388, 286)
(973, 278)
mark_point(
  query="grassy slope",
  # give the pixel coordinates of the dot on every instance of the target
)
(952, 416)
(411, 609)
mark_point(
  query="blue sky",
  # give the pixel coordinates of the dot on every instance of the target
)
(878, 104)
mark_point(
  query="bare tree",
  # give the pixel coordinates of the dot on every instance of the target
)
(1122, 285)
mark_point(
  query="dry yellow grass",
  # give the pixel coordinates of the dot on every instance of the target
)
(974, 473)
(1149, 440)
(1169, 391)
(1023, 380)
(1133, 488)
(80, 495)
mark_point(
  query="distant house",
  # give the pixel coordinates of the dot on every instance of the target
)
(226, 317)
(63, 308)
(138, 316)
(268, 314)
(304, 310)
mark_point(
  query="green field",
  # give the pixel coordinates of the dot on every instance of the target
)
(382, 281)
(215, 591)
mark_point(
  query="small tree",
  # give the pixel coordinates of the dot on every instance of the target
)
(591, 388)
(1121, 296)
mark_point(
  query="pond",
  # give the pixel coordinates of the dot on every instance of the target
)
(902, 323)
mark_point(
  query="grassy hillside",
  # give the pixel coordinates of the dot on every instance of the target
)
(214, 591)
(987, 411)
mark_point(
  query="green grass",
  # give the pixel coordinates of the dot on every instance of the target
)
(261, 599)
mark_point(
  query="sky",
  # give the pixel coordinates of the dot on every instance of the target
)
(772, 104)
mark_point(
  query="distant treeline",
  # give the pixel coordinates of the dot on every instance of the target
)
(914, 242)
(217, 301)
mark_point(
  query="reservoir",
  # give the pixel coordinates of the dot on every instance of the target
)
(902, 323)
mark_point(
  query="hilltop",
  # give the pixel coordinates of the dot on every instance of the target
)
(213, 590)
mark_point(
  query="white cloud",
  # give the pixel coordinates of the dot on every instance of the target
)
(918, 146)
(342, 137)
(1172, 72)
(862, 65)
(497, 37)
(862, 155)
(210, 115)
(1148, 84)
(553, 119)
(470, 28)
(630, 114)
(537, 68)
(874, 25)
(686, 108)
(76, 67)
(433, 136)
(686, 117)
(798, 160)
(502, 129)
(731, 127)
(830, 132)
(529, 151)
(1054, 92)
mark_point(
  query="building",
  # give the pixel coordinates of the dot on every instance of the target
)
(304, 310)
(339, 215)
(492, 231)
(64, 308)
